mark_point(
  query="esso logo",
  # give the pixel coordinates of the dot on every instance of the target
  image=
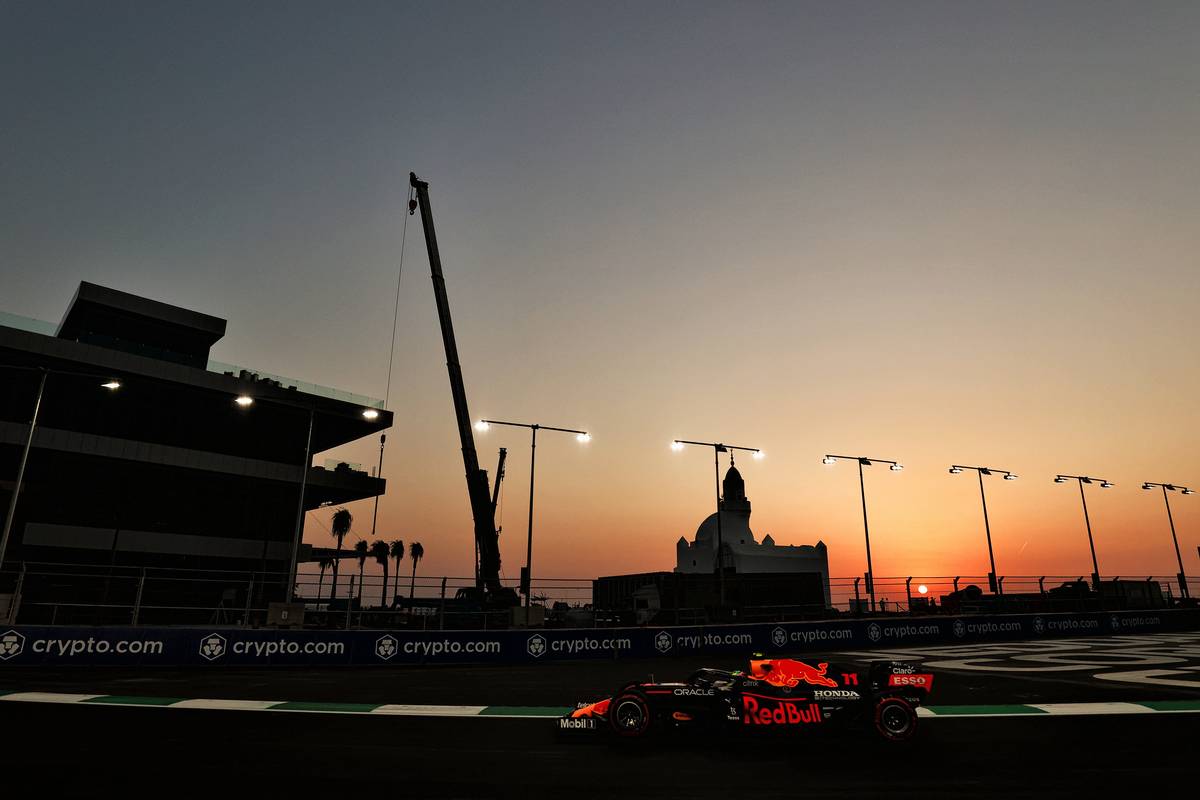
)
(920, 681)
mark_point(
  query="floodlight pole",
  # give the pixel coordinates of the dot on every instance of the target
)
(37, 407)
(299, 532)
(987, 529)
(719, 448)
(12, 501)
(1087, 520)
(863, 461)
(862, 491)
(993, 580)
(1183, 587)
(583, 436)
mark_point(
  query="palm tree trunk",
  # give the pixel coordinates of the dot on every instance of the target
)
(412, 586)
(320, 585)
(397, 579)
(383, 592)
(336, 562)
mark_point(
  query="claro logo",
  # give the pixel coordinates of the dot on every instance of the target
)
(757, 710)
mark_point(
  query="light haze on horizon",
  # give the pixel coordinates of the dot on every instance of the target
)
(933, 232)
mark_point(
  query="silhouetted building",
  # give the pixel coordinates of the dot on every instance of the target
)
(167, 470)
(743, 553)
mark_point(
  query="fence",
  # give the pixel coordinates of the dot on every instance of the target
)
(77, 594)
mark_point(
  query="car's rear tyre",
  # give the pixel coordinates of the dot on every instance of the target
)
(629, 715)
(895, 719)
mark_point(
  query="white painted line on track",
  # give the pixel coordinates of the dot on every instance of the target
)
(428, 710)
(48, 697)
(1093, 709)
(227, 705)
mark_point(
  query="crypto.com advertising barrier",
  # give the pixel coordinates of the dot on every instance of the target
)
(32, 645)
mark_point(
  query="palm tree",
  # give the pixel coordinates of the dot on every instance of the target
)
(415, 552)
(379, 551)
(339, 528)
(361, 551)
(324, 563)
(397, 551)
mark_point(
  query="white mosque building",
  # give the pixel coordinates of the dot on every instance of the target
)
(743, 553)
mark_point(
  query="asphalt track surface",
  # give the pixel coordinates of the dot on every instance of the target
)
(74, 750)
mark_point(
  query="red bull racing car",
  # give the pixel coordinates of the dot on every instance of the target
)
(775, 694)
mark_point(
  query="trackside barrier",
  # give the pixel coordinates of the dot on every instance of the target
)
(52, 645)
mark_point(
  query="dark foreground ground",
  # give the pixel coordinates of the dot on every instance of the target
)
(94, 750)
(57, 751)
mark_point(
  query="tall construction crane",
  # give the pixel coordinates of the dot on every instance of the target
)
(483, 507)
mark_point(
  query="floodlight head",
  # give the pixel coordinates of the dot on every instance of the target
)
(1188, 491)
(866, 462)
(370, 414)
(955, 470)
(244, 400)
(1106, 484)
(984, 471)
(482, 426)
(1008, 476)
(1086, 480)
(760, 455)
(828, 460)
(1060, 479)
(897, 467)
(1170, 487)
(676, 445)
(583, 438)
(1147, 486)
(112, 386)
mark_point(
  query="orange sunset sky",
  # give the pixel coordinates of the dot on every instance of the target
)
(937, 233)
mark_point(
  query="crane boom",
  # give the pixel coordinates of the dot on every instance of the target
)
(482, 509)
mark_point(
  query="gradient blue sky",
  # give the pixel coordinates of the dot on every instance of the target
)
(937, 232)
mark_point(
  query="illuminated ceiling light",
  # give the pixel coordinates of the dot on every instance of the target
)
(955, 470)
(828, 460)
(482, 426)
(370, 413)
(583, 438)
(760, 455)
(677, 445)
(897, 467)
(923, 589)
(244, 400)
(112, 386)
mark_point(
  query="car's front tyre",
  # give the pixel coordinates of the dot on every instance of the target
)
(629, 715)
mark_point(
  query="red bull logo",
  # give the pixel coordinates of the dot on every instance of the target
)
(788, 672)
(759, 710)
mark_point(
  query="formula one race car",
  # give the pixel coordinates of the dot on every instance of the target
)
(776, 694)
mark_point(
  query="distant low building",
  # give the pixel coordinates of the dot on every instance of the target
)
(743, 554)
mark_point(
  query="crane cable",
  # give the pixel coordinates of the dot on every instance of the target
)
(396, 313)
